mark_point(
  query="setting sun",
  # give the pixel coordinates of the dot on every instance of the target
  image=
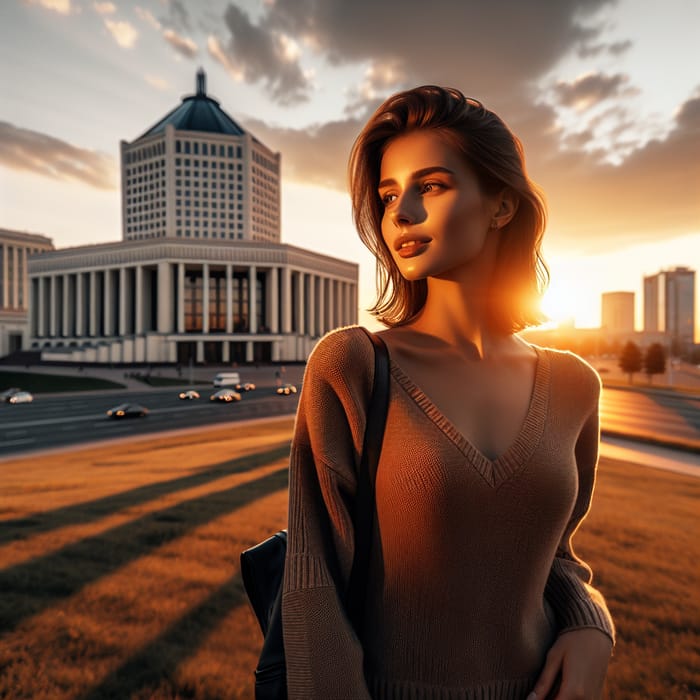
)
(566, 302)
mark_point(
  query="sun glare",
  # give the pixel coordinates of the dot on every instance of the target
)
(565, 305)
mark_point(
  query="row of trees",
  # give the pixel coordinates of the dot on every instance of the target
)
(653, 361)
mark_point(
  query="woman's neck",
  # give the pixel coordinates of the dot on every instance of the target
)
(459, 313)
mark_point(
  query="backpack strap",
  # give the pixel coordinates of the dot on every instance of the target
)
(365, 505)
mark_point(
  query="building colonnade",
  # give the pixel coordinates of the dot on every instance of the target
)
(212, 310)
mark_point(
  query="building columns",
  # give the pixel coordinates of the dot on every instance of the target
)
(107, 304)
(229, 302)
(252, 299)
(138, 302)
(93, 306)
(122, 301)
(286, 300)
(180, 324)
(52, 306)
(205, 297)
(79, 306)
(273, 300)
(164, 305)
(41, 307)
(301, 321)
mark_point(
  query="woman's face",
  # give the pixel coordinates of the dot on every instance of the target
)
(436, 218)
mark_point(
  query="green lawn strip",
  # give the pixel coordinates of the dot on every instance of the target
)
(53, 383)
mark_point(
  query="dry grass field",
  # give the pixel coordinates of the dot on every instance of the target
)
(119, 568)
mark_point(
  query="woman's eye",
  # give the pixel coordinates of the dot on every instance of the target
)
(431, 186)
(388, 198)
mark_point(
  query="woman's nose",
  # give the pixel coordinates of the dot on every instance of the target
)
(404, 213)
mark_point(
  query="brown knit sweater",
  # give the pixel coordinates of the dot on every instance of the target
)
(472, 574)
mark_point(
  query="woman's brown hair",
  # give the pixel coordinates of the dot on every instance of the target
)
(496, 157)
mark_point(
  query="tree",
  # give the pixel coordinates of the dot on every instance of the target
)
(630, 359)
(654, 360)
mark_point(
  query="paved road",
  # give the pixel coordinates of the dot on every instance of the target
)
(57, 421)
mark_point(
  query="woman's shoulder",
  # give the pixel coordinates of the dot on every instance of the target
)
(342, 351)
(570, 366)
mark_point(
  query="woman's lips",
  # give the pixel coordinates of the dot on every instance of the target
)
(409, 249)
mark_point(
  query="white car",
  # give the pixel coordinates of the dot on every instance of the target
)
(20, 397)
(189, 395)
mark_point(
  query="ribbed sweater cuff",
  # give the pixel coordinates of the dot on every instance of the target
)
(577, 605)
(304, 571)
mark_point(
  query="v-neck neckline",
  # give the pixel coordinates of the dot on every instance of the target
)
(494, 471)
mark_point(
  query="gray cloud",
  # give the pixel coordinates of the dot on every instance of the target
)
(23, 149)
(257, 54)
(591, 89)
(482, 48)
(177, 17)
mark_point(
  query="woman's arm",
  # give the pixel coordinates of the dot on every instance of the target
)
(324, 656)
(578, 660)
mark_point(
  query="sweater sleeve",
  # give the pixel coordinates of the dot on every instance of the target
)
(575, 602)
(323, 654)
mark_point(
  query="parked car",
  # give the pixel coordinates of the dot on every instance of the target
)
(246, 386)
(7, 393)
(286, 389)
(226, 395)
(128, 410)
(20, 397)
(189, 395)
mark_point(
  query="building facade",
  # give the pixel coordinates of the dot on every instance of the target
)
(617, 312)
(669, 306)
(15, 249)
(201, 274)
(169, 301)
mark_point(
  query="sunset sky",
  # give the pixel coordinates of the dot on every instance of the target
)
(605, 96)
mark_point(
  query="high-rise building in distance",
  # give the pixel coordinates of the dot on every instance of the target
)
(618, 312)
(669, 306)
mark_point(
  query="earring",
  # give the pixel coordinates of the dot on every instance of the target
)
(494, 225)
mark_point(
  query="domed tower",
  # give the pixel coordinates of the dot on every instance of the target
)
(196, 173)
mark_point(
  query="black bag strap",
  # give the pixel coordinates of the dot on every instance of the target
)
(365, 505)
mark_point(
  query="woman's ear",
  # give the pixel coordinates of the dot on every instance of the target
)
(506, 207)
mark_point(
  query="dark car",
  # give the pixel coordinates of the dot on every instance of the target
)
(7, 393)
(246, 386)
(226, 395)
(128, 410)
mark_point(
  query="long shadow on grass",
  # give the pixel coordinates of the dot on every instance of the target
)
(33, 586)
(89, 511)
(157, 662)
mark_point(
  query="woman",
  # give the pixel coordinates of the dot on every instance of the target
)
(490, 448)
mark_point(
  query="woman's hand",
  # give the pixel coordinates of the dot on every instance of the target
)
(575, 667)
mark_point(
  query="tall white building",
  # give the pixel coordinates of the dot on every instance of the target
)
(201, 273)
(669, 305)
(15, 249)
(197, 174)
